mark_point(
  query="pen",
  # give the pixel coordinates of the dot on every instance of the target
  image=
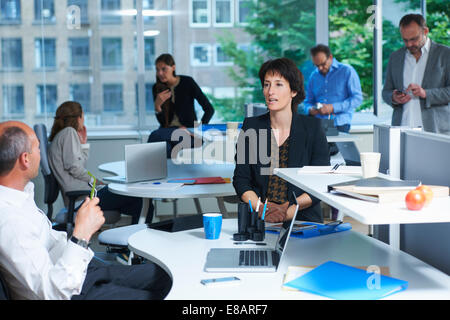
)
(255, 243)
(264, 210)
(257, 204)
(336, 166)
(295, 197)
(250, 204)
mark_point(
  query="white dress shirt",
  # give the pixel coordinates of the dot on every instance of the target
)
(36, 261)
(413, 72)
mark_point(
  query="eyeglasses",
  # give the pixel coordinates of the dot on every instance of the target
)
(323, 65)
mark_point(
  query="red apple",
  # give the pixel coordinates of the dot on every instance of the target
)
(415, 199)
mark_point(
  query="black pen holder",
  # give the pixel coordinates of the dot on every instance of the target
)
(260, 232)
(243, 223)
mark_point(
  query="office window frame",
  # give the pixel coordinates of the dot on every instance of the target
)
(11, 56)
(194, 62)
(85, 102)
(42, 96)
(4, 19)
(84, 9)
(238, 13)
(228, 24)
(40, 48)
(9, 95)
(193, 24)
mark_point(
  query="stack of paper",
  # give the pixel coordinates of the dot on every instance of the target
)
(160, 186)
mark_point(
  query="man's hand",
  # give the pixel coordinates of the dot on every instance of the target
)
(417, 90)
(400, 98)
(89, 219)
(161, 98)
(274, 212)
(326, 109)
(82, 134)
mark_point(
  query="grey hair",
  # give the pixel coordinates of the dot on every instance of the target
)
(13, 142)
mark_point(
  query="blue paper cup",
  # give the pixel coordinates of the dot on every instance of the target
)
(212, 223)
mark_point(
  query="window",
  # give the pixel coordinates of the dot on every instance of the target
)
(13, 100)
(149, 52)
(46, 97)
(220, 58)
(199, 12)
(200, 55)
(110, 12)
(112, 52)
(149, 104)
(81, 92)
(79, 52)
(223, 13)
(83, 5)
(44, 10)
(45, 53)
(146, 5)
(112, 97)
(12, 54)
(243, 11)
(10, 11)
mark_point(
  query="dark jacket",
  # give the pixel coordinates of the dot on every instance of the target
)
(307, 146)
(186, 92)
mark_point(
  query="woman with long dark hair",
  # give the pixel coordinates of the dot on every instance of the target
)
(68, 158)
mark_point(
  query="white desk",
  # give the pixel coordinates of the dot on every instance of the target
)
(367, 212)
(183, 254)
(175, 171)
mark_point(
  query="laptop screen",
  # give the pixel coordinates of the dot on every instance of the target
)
(285, 232)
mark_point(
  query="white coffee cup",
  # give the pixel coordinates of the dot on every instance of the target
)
(370, 163)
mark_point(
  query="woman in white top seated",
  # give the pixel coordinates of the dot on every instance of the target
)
(68, 158)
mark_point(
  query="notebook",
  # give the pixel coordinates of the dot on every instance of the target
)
(144, 161)
(339, 281)
(250, 260)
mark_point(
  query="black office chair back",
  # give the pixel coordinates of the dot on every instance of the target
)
(4, 292)
(51, 185)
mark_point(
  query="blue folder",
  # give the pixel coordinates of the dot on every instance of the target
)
(320, 230)
(339, 281)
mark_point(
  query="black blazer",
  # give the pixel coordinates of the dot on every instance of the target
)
(307, 147)
(186, 92)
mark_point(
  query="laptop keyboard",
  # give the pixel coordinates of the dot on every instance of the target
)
(253, 258)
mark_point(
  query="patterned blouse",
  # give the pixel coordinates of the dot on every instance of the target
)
(277, 190)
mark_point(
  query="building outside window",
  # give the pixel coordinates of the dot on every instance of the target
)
(83, 5)
(81, 92)
(220, 57)
(45, 53)
(46, 99)
(200, 54)
(200, 12)
(146, 5)
(243, 11)
(149, 104)
(12, 54)
(223, 13)
(10, 12)
(13, 103)
(79, 52)
(44, 10)
(112, 52)
(110, 12)
(113, 97)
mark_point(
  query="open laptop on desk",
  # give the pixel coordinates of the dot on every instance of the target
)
(144, 161)
(250, 260)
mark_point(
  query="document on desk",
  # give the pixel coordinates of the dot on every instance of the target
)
(347, 170)
(150, 185)
(339, 281)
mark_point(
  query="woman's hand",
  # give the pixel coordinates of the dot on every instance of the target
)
(274, 212)
(161, 98)
(82, 134)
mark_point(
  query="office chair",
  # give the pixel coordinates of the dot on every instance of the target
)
(65, 217)
(4, 292)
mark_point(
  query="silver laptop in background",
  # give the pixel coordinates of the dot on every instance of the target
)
(250, 260)
(143, 161)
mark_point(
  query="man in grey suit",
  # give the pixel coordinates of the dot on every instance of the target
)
(417, 83)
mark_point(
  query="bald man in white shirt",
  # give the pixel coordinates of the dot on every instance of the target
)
(38, 262)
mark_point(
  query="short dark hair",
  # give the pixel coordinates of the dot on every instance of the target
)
(165, 58)
(413, 17)
(288, 70)
(320, 48)
(13, 142)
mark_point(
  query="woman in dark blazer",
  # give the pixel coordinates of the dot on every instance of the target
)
(279, 138)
